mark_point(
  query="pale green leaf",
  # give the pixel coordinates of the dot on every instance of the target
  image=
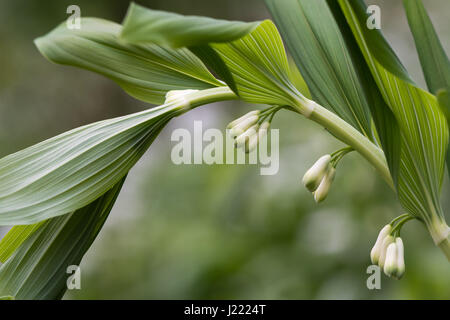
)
(146, 72)
(71, 170)
(444, 102)
(14, 238)
(67, 172)
(38, 268)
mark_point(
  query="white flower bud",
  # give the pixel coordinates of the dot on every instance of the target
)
(400, 258)
(235, 122)
(252, 143)
(263, 129)
(386, 242)
(178, 96)
(376, 250)
(243, 125)
(390, 264)
(243, 140)
(324, 187)
(251, 140)
(315, 174)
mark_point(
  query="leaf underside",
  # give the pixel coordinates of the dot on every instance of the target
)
(146, 72)
(38, 267)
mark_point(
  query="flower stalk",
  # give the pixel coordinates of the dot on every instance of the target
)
(346, 133)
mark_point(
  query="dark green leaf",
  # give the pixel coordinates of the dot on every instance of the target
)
(422, 125)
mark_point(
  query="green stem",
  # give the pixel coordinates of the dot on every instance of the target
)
(341, 129)
(206, 96)
(440, 232)
(347, 134)
(398, 227)
(399, 218)
(445, 247)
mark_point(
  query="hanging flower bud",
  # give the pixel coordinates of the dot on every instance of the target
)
(315, 174)
(243, 140)
(243, 125)
(251, 143)
(235, 122)
(255, 139)
(390, 264)
(383, 250)
(400, 258)
(376, 250)
(324, 187)
(263, 129)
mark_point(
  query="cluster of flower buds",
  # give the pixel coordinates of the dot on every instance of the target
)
(319, 177)
(388, 253)
(248, 130)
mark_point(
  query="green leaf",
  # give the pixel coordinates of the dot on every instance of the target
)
(145, 72)
(38, 268)
(443, 97)
(14, 238)
(297, 79)
(325, 50)
(422, 125)
(434, 61)
(71, 170)
(444, 102)
(249, 57)
(142, 25)
(323, 57)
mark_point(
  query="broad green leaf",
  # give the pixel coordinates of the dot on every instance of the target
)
(14, 238)
(142, 25)
(443, 97)
(38, 268)
(145, 72)
(249, 57)
(444, 102)
(434, 61)
(297, 79)
(422, 125)
(322, 55)
(325, 50)
(71, 170)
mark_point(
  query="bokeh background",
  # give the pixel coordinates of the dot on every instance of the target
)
(224, 231)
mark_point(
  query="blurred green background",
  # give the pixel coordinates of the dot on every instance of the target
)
(223, 231)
